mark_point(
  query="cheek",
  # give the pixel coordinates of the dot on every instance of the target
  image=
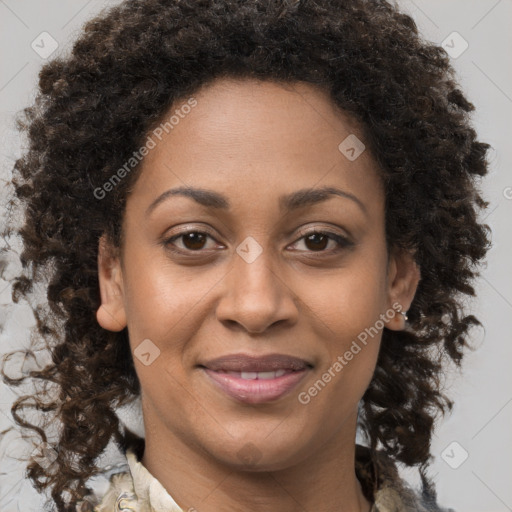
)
(347, 311)
(351, 299)
(160, 297)
(352, 344)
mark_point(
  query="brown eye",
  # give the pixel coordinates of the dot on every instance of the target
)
(317, 241)
(191, 241)
(194, 240)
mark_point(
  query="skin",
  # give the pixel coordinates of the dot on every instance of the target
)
(254, 141)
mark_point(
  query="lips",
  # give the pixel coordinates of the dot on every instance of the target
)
(245, 363)
(255, 380)
(259, 375)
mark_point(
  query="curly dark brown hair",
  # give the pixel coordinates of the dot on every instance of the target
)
(95, 107)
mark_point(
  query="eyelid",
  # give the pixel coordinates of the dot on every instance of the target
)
(191, 229)
(321, 229)
(166, 240)
(343, 241)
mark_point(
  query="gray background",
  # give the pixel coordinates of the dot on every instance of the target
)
(480, 425)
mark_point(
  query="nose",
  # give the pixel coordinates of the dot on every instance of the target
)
(256, 295)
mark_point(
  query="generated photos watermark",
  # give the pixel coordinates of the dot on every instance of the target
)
(137, 156)
(342, 360)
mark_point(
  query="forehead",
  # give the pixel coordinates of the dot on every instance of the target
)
(258, 138)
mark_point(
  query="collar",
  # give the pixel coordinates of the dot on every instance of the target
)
(149, 492)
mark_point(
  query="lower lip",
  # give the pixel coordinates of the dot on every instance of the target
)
(256, 391)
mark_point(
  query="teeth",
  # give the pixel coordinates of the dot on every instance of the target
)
(259, 375)
(249, 375)
(266, 375)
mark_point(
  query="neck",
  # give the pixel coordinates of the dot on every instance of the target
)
(324, 482)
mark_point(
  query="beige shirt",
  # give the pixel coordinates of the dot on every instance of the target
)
(137, 490)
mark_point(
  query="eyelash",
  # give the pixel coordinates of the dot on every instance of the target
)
(342, 241)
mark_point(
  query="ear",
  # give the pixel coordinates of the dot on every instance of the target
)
(403, 278)
(111, 314)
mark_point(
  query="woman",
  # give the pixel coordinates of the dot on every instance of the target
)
(261, 218)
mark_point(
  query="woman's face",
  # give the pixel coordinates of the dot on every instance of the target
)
(250, 279)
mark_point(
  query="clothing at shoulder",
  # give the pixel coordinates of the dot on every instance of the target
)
(383, 486)
(138, 490)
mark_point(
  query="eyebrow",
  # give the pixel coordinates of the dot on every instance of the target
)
(287, 203)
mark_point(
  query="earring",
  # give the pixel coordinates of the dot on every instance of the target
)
(404, 313)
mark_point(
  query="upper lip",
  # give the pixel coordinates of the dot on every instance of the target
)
(248, 363)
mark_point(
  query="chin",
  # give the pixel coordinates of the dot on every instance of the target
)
(258, 454)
